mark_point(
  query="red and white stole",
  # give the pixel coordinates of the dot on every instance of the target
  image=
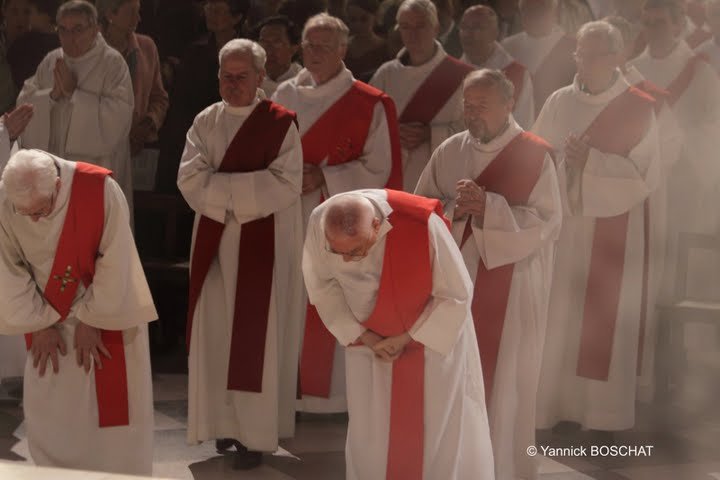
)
(556, 71)
(513, 173)
(255, 145)
(339, 135)
(404, 291)
(77, 250)
(616, 130)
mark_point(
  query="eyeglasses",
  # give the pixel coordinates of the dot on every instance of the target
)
(321, 48)
(43, 212)
(75, 31)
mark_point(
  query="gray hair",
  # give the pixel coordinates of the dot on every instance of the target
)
(426, 7)
(328, 22)
(345, 214)
(491, 77)
(612, 34)
(78, 7)
(29, 174)
(107, 6)
(243, 46)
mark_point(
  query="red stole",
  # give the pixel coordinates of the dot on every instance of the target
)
(557, 70)
(513, 173)
(404, 291)
(254, 147)
(432, 95)
(515, 73)
(678, 86)
(616, 130)
(74, 262)
(340, 137)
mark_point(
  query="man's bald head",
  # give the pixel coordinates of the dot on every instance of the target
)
(350, 226)
(478, 33)
(481, 12)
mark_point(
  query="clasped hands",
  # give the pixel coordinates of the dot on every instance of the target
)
(412, 135)
(577, 151)
(387, 349)
(65, 81)
(48, 342)
(470, 200)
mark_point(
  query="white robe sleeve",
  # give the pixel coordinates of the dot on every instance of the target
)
(36, 92)
(524, 110)
(439, 325)
(119, 297)
(630, 180)
(23, 309)
(512, 233)
(670, 138)
(323, 289)
(372, 169)
(429, 185)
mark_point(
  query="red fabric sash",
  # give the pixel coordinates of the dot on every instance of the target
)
(404, 291)
(437, 89)
(254, 147)
(678, 86)
(513, 174)
(340, 138)
(616, 130)
(515, 73)
(74, 262)
(556, 71)
(660, 96)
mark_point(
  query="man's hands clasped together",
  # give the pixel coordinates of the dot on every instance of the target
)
(48, 343)
(387, 349)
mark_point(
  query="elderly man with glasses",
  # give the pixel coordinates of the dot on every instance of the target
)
(82, 96)
(72, 282)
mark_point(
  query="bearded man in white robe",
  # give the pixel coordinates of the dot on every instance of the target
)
(389, 282)
(241, 172)
(83, 98)
(73, 284)
(605, 137)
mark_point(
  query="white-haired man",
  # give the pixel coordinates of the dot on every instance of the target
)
(389, 282)
(498, 185)
(349, 141)
(605, 137)
(543, 48)
(478, 36)
(426, 84)
(694, 96)
(241, 172)
(72, 280)
(83, 97)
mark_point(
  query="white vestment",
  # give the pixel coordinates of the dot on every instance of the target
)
(524, 109)
(711, 50)
(400, 82)
(269, 85)
(93, 125)
(694, 179)
(608, 185)
(61, 411)
(522, 235)
(371, 170)
(456, 441)
(255, 419)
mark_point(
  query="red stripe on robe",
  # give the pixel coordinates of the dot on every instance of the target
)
(255, 146)
(75, 256)
(616, 130)
(556, 71)
(435, 91)
(404, 291)
(513, 174)
(339, 136)
(515, 72)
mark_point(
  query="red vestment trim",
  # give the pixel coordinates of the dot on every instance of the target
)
(616, 130)
(255, 146)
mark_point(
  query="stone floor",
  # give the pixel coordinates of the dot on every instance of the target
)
(684, 440)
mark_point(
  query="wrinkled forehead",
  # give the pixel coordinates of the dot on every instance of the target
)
(73, 19)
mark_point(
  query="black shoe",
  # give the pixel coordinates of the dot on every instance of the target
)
(245, 460)
(222, 445)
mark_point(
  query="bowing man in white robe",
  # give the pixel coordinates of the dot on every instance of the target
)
(694, 97)
(428, 103)
(343, 277)
(478, 36)
(605, 137)
(319, 94)
(503, 233)
(62, 408)
(83, 98)
(250, 419)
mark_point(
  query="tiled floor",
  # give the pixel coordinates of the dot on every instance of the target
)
(685, 446)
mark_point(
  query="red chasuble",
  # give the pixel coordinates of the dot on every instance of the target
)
(255, 146)
(556, 71)
(340, 136)
(515, 73)
(77, 250)
(512, 174)
(404, 291)
(432, 95)
(616, 130)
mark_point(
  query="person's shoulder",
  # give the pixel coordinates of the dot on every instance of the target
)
(208, 114)
(513, 40)
(385, 69)
(448, 150)
(284, 91)
(145, 42)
